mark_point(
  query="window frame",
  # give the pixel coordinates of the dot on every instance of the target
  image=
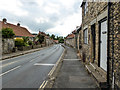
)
(86, 8)
(85, 36)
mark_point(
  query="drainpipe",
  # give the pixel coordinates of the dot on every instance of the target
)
(108, 56)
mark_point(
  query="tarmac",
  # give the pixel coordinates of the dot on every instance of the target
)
(19, 53)
(72, 73)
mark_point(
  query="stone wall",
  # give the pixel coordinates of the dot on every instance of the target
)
(96, 12)
(114, 44)
(7, 45)
(70, 42)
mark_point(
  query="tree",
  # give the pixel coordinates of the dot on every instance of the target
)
(41, 38)
(48, 35)
(52, 36)
(7, 33)
(61, 40)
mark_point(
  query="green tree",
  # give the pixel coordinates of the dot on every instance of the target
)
(61, 40)
(7, 33)
(41, 38)
(52, 36)
(48, 35)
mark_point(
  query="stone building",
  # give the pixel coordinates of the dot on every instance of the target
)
(99, 41)
(70, 40)
(114, 45)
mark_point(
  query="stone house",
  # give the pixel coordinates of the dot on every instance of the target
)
(77, 45)
(70, 40)
(99, 41)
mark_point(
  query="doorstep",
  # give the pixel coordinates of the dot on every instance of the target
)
(99, 75)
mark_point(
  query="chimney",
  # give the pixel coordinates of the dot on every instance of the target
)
(4, 20)
(18, 24)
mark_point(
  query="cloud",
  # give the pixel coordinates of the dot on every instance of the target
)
(13, 6)
(67, 25)
(59, 17)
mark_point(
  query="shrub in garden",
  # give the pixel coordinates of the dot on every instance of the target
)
(30, 42)
(7, 33)
(19, 42)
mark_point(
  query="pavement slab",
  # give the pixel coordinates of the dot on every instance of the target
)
(73, 73)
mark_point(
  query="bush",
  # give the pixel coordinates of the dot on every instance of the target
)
(7, 33)
(25, 39)
(19, 42)
(30, 42)
(41, 38)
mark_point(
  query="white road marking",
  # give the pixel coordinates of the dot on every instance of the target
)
(10, 70)
(3, 65)
(71, 59)
(43, 64)
(31, 60)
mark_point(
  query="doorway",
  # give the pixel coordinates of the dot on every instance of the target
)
(103, 45)
(93, 42)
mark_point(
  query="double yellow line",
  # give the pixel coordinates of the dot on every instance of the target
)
(51, 72)
(43, 85)
(53, 69)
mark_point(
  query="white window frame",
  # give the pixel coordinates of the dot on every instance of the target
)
(86, 8)
(85, 36)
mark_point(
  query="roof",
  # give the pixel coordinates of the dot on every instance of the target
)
(70, 36)
(42, 33)
(18, 30)
(83, 3)
(56, 41)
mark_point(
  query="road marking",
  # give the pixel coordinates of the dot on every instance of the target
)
(3, 65)
(53, 69)
(45, 84)
(10, 70)
(31, 60)
(42, 84)
(71, 59)
(43, 64)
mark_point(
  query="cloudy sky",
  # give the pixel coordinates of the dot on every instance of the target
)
(58, 17)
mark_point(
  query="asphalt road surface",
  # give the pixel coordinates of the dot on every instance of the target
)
(30, 70)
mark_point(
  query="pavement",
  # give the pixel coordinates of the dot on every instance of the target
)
(30, 70)
(19, 53)
(73, 73)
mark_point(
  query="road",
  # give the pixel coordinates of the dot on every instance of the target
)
(30, 70)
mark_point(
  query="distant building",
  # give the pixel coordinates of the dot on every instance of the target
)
(70, 40)
(47, 41)
(56, 41)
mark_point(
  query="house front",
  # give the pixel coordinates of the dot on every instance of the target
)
(100, 29)
(17, 29)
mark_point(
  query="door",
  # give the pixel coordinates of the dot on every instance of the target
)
(93, 41)
(103, 46)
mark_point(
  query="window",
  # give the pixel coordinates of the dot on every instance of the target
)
(85, 36)
(86, 8)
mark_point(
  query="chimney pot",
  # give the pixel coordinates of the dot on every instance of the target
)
(18, 24)
(5, 20)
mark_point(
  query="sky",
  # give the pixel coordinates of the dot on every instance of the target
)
(59, 17)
